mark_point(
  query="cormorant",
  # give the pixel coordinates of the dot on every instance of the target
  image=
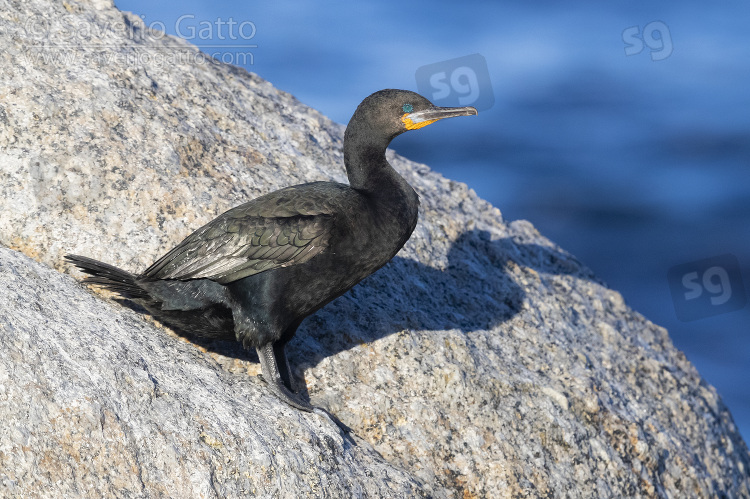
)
(256, 271)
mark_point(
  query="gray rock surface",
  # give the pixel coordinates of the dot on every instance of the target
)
(97, 402)
(484, 361)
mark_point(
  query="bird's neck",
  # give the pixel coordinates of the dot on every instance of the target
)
(366, 166)
(390, 194)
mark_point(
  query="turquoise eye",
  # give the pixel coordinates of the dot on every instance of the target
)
(407, 108)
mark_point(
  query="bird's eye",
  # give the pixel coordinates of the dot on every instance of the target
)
(408, 108)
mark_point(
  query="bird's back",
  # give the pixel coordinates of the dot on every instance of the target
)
(363, 235)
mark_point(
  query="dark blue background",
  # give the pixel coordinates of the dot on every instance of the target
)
(633, 165)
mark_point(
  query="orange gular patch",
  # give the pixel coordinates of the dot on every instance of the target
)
(410, 125)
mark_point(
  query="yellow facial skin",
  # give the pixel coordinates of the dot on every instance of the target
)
(410, 125)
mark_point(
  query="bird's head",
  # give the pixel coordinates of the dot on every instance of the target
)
(389, 113)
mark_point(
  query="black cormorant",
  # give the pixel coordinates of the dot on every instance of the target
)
(256, 271)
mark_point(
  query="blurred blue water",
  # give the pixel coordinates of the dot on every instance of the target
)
(634, 165)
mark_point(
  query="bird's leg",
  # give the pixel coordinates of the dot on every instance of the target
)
(275, 380)
(268, 355)
(282, 362)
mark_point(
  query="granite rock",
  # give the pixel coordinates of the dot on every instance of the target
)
(97, 402)
(483, 361)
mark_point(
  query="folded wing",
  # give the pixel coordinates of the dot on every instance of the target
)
(267, 233)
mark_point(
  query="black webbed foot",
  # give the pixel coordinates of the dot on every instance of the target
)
(277, 374)
(277, 382)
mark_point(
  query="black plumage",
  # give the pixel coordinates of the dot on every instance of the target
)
(256, 271)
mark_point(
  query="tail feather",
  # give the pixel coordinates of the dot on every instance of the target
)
(108, 276)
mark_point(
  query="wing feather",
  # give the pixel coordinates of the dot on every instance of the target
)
(284, 228)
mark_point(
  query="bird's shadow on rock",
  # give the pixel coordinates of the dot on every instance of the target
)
(478, 289)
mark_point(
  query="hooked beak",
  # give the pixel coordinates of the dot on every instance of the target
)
(418, 119)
